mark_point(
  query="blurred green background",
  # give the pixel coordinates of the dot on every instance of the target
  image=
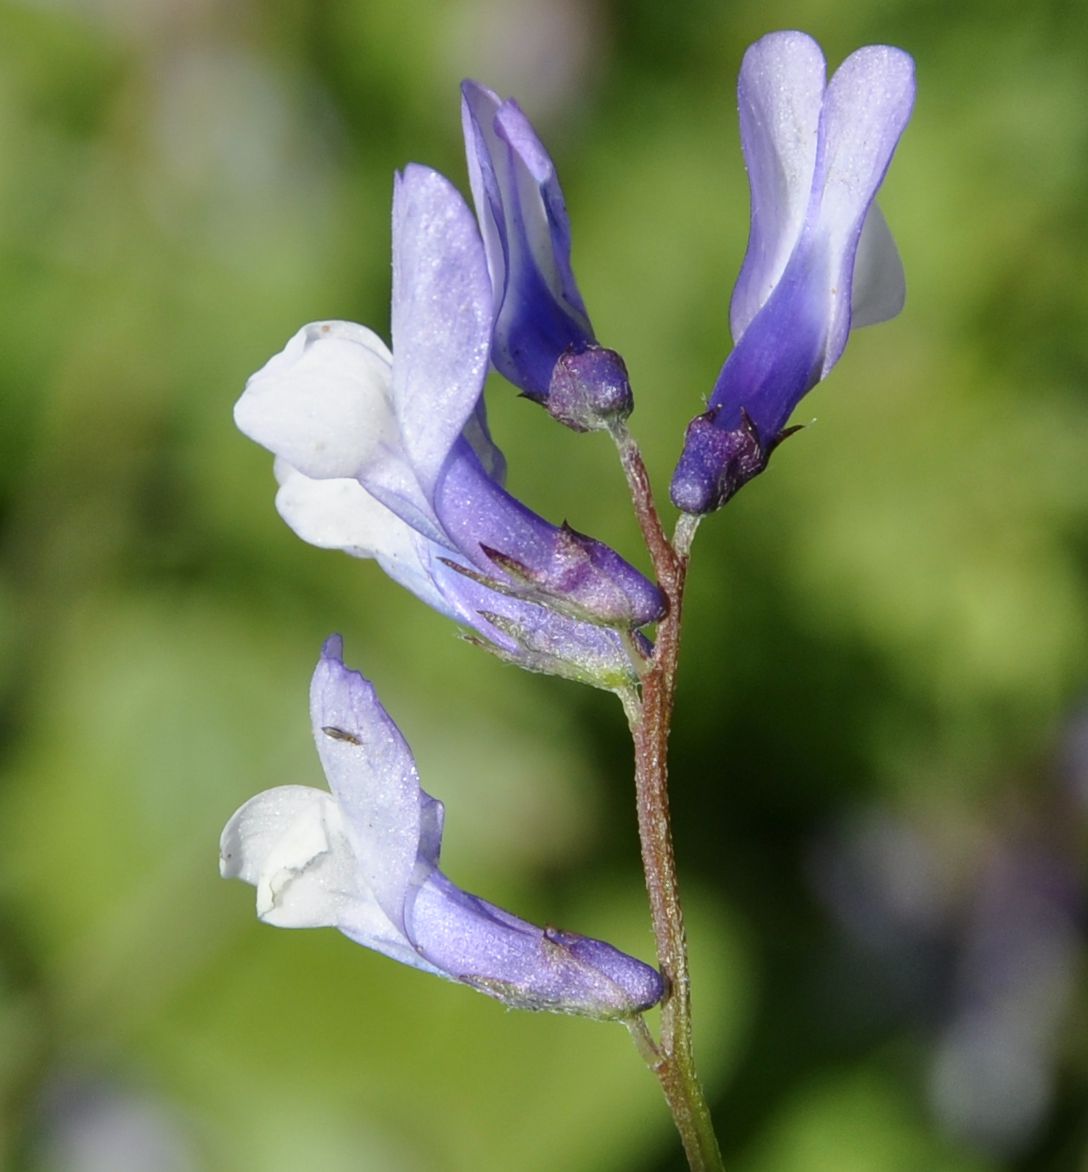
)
(881, 753)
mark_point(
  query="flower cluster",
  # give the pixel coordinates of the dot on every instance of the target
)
(386, 454)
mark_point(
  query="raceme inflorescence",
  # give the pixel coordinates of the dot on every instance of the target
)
(386, 453)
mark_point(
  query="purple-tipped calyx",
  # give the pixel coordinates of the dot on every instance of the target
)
(363, 857)
(820, 257)
(542, 338)
(387, 455)
(589, 390)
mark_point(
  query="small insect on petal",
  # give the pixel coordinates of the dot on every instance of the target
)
(339, 734)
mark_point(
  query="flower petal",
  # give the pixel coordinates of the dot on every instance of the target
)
(771, 368)
(324, 403)
(539, 213)
(373, 777)
(879, 290)
(289, 843)
(538, 311)
(791, 310)
(866, 109)
(780, 355)
(341, 514)
(779, 92)
(479, 105)
(441, 317)
(478, 435)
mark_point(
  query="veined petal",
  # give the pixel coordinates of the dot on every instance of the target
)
(866, 109)
(324, 403)
(373, 777)
(779, 93)
(441, 317)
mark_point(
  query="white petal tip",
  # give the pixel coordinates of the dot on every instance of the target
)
(290, 845)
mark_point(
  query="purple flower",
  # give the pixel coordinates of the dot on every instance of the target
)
(543, 341)
(820, 257)
(364, 859)
(388, 456)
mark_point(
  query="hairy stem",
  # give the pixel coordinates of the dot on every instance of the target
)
(650, 718)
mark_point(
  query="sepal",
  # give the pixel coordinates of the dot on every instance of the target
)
(535, 650)
(717, 463)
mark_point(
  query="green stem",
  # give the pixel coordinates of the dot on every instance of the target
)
(650, 718)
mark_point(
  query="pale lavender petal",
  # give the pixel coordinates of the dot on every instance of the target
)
(372, 493)
(441, 317)
(879, 287)
(382, 936)
(372, 775)
(342, 515)
(780, 90)
(866, 109)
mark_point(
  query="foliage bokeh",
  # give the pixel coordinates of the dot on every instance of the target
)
(881, 756)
